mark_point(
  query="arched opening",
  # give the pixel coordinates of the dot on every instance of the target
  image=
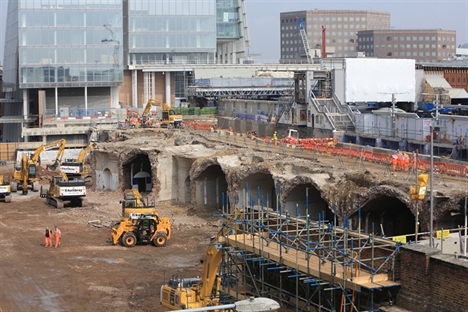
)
(106, 179)
(142, 182)
(386, 216)
(307, 199)
(137, 173)
(256, 189)
(210, 186)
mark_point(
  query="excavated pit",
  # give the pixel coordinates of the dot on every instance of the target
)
(186, 167)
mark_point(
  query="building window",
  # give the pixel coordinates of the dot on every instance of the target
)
(408, 53)
(427, 38)
(415, 46)
(357, 19)
(415, 38)
(389, 38)
(421, 38)
(395, 53)
(433, 38)
(402, 38)
(415, 53)
(395, 38)
(377, 38)
(433, 46)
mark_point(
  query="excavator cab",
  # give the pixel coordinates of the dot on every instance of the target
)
(32, 171)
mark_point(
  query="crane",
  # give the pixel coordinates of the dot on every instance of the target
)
(26, 174)
(304, 40)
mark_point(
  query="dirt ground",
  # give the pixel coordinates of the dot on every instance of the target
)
(86, 273)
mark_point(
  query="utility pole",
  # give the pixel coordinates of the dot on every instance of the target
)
(466, 221)
(393, 115)
(434, 127)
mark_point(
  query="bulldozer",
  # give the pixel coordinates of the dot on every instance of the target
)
(5, 190)
(142, 228)
(62, 190)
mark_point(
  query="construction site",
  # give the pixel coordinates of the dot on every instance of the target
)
(312, 230)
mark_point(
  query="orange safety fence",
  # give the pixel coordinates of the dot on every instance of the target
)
(458, 170)
(321, 145)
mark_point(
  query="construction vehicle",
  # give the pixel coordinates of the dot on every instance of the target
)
(203, 291)
(133, 119)
(25, 175)
(5, 190)
(75, 168)
(163, 114)
(133, 203)
(62, 190)
(142, 228)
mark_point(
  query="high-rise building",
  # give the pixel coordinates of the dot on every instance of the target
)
(77, 58)
(423, 45)
(341, 28)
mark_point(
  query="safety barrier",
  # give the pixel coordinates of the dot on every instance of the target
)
(327, 146)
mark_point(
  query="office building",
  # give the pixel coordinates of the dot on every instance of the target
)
(82, 58)
(341, 31)
(423, 45)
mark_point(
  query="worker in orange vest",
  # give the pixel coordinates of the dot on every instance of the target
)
(275, 138)
(400, 160)
(406, 161)
(394, 160)
(57, 235)
(48, 237)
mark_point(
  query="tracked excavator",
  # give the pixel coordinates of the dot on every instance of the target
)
(203, 291)
(76, 168)
(163, 114)
(62, 190)
(5, 190)
(25, 175)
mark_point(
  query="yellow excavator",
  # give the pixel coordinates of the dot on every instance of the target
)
(75, 168)
(163, 114)
(62, 190)
(5, 190)
(25, 175)
(203, 291)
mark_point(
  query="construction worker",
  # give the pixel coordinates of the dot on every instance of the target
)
(394, 160)
(48, 237)
(275, 138)
(57, 235)
(406, 161)
(400, 160)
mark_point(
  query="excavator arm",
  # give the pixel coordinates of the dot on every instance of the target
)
(58, 143)
(149, 104)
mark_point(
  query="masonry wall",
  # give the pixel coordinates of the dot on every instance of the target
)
(431, 281)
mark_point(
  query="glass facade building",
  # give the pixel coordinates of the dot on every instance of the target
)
(64, 43)
(166, 31)
(78, 58)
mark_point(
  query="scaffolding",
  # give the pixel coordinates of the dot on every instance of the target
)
(306, 265)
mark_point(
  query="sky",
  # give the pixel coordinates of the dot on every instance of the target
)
(264, 18)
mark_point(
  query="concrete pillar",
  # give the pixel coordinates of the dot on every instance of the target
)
(25, 110)
(114, 97)
(134, 88)
(168, 88)
(153, 85)
(86, 100)
(25, 104)
(56, 101)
